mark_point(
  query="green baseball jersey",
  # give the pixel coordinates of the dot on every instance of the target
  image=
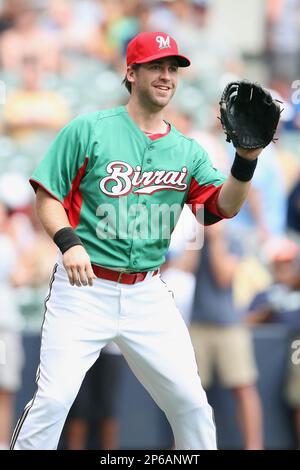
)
(123, 193)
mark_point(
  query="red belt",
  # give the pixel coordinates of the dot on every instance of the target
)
(119, 276)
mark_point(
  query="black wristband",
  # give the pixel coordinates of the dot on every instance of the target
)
(243, 169)
(65, 238)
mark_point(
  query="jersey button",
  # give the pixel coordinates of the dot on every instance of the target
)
(134, 262)
(149, 160)
(151, 147)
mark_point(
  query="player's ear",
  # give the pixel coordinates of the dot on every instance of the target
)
(130, 73)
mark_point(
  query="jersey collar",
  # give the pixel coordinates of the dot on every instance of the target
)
(164, 142)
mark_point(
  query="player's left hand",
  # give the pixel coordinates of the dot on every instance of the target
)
(249, 116)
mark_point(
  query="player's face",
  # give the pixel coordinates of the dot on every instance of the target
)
(155, 82)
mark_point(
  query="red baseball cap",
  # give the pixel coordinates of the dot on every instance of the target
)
(149, 46)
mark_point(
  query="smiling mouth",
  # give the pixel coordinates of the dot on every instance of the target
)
(162, 87)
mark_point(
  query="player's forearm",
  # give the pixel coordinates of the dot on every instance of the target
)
(236, 188)
(51, 213)
(232, 196)
(76, 261)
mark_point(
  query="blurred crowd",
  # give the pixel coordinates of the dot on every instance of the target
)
(61, 58)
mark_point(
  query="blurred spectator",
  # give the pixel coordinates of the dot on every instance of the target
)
(283, 38)
(11, 356)
(95, 407)
(35, 253)
(31, 243)
(293, 213)
(192, 26)
(16, 195)
(27, 39)
(293, 123)
(280, 304)
(221, 342)
(124, 27)
(264, 214)
(36, 259)
(116, 28)
(73, 23)
(288, 93)
(161, 15)
(8, 12)
(31, 109)
(143, 16)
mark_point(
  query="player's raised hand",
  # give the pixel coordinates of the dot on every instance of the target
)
(249, 116)
(78, 266)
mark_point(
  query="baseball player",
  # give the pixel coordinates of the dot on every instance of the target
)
(102, 190)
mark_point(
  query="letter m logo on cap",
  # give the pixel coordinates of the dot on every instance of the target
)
(164, 43)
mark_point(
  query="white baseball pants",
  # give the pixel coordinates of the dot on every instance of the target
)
(145, 323)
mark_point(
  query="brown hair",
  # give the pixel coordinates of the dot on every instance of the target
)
(126, 82)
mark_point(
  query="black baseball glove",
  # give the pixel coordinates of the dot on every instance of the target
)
(249, 115)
